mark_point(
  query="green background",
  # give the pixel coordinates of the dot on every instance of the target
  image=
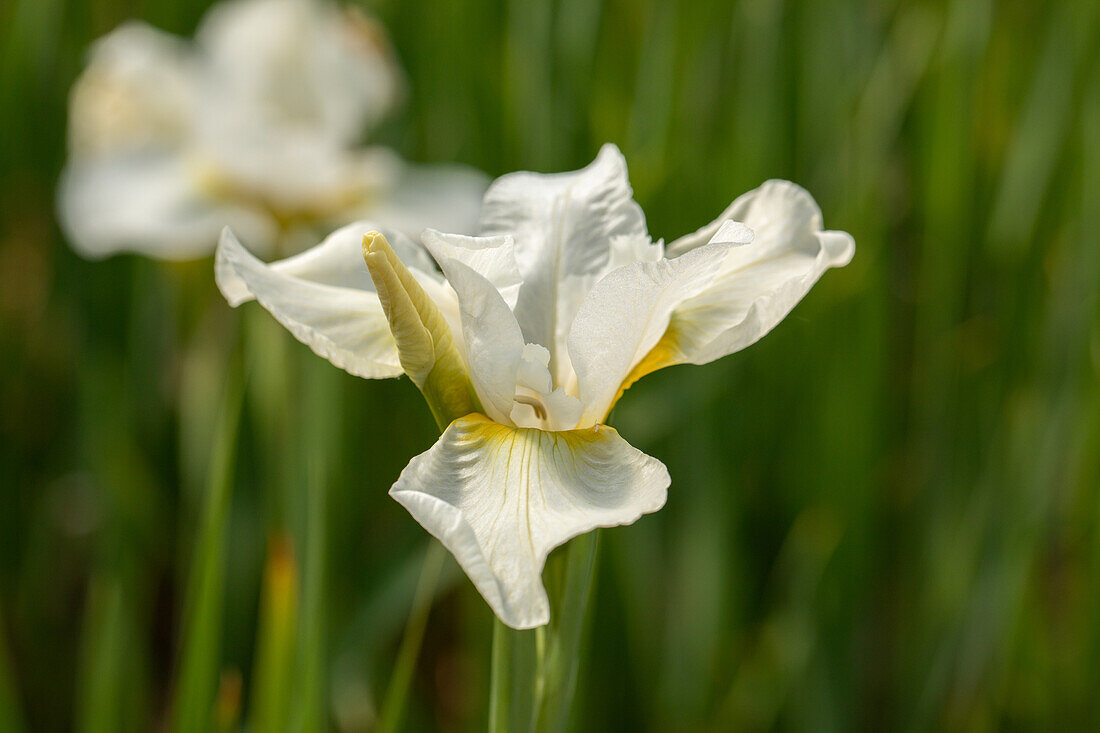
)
(883, 516)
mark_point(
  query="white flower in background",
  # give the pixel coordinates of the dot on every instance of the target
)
(256, 124)
(528, 337)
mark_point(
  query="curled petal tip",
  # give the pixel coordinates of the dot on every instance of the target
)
(839, 247)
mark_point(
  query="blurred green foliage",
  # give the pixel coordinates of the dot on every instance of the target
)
(884, 516)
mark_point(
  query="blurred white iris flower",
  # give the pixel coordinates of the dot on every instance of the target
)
(526, 336)
(256, 124)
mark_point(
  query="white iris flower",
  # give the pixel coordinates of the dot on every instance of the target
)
(528, 336)
(255, 124)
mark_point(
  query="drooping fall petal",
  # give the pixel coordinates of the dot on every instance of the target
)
(501, 498)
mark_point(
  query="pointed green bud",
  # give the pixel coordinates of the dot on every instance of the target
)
(425, 344)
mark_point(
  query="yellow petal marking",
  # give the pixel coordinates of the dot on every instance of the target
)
(665, 353)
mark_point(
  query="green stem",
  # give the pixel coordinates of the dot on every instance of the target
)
(499, 679)
(201, 633)
(562, 660)
(512, 680)
(323, 415)
(393, 709)
(534, 673)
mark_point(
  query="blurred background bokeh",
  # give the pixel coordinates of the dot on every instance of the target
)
(884, 516)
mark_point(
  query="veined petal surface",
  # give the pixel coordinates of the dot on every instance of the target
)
(501, 498)
(493, 258)
(337, 261)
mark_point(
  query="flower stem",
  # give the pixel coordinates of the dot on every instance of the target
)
(512, 680)
(569, 603)
(499, 679)
(534, 673)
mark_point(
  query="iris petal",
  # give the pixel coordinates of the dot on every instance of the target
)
(501, 498)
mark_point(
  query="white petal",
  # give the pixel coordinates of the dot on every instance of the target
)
(533, 374)
(500, 499)
(627, 249)
(443, 197)
(337, 261)
(563, 224)
(625, 315)
(146, 202)
(759, 283)
(296, 173)
(538, 404)
(138, 90)
(345, 325)
(732, 232)
(493, 344)
(300, 64)
(491, 257)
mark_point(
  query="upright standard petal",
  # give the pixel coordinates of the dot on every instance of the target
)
(757, 285)
(345, 325)
(564, 224)
(500, 499)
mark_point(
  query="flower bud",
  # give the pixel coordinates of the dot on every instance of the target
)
(425, 344)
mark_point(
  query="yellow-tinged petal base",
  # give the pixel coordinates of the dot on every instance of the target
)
(665, 353)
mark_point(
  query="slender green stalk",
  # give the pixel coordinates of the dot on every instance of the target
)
(202, 621)
(393, 709)
(499, 679)
(558, 673)
(512, 680)
(323, 412)
(309, 700)
(100, 675)
(534, 673)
